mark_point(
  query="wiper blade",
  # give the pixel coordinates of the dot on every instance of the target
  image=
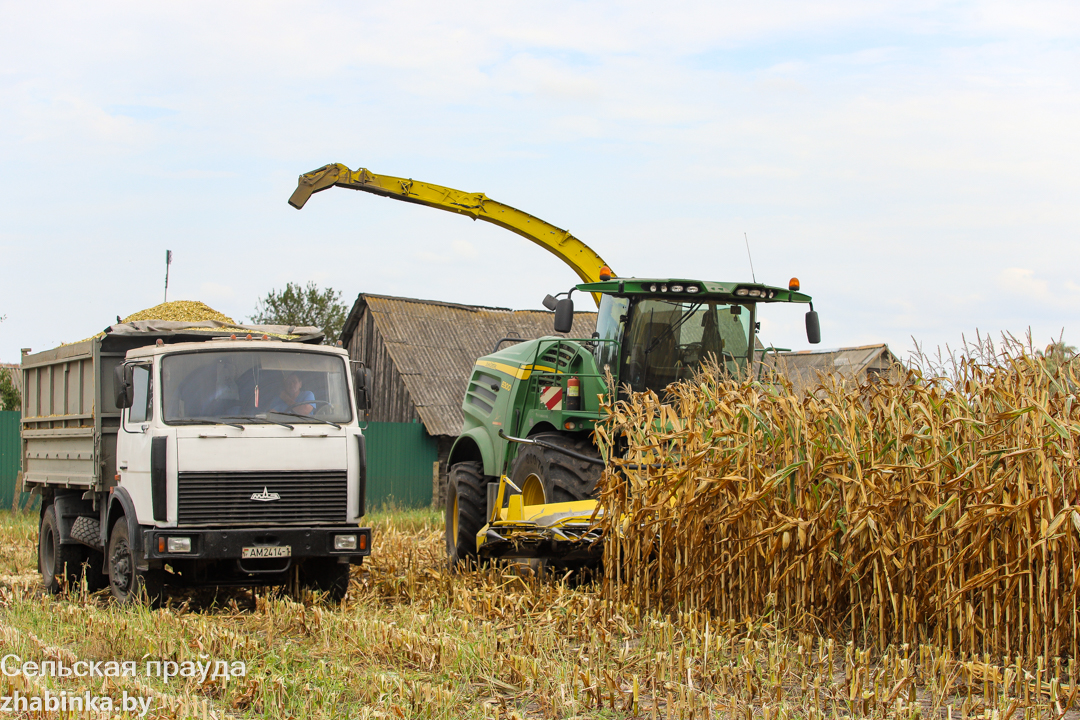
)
(203, 421)
(259, 418)
(306, 417)
(672, 328)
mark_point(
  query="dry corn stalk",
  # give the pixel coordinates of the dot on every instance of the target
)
(930, 509)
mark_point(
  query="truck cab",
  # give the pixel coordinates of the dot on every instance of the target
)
(236, 462)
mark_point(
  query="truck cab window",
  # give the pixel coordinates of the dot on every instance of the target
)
(142, 406)
(227, 385)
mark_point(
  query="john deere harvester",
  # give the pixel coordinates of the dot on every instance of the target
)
(523, 470)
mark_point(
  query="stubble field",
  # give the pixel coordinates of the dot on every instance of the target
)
(414, 641)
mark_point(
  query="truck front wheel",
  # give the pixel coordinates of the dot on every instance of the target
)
(126, 582)
(60, 565)
(466, 503)
(326, 575)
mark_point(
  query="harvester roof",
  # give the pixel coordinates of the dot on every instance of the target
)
(695, 289)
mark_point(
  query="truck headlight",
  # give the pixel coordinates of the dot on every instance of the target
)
(179, 544)
(344, 542)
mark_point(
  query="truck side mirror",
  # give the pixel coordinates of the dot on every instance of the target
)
(564, 315)
(813, 330)
(362, 380)
(123, 385)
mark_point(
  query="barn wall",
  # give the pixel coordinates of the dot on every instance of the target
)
(390, 400)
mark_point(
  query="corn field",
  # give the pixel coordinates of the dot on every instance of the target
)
(937, 510)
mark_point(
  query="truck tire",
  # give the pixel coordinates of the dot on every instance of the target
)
(325, 575)
(127, 583)
(466, 506)
(60, 565)
(564, 478)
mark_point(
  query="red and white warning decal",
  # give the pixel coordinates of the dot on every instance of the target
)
(552, 398)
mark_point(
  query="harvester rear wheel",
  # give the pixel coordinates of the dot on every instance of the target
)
(466, 503)
(565, 478)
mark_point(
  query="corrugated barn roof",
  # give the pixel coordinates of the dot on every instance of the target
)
(433, 346)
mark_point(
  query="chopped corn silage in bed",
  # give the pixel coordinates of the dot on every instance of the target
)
(189, 311)
(180, 311)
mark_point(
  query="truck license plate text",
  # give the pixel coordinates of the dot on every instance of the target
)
(267, 551)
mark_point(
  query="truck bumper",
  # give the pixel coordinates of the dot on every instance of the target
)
(229, 543)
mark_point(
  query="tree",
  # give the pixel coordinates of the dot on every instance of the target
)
(296, 305)
(9, 394)
(1057, 353)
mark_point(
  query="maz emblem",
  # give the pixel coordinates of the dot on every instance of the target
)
(265, 496)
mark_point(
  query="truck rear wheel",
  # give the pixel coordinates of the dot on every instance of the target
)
(466, 504)
(564, 478)
(127, 583)
(60, 565)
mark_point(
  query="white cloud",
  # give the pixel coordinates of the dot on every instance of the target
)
(464, 248)
(877, 150)
(216, 291)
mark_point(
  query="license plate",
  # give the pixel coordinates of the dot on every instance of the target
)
(267, 551)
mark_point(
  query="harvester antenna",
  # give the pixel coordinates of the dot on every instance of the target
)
(752, 275)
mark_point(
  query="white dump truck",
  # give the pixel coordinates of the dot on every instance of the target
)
(196, 454)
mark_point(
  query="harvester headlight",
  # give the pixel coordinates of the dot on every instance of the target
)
(754, 293)
(663, 288)
(652, 288)
(772, 294)
(677, 288)
(742, 292)
(692, 289)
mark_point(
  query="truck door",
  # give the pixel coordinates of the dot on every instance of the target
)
(134, 442)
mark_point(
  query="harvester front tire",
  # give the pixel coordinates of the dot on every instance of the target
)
(565, 478)
(466, 506)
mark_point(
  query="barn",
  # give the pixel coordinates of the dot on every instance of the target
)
(865, 362)
(422, 353)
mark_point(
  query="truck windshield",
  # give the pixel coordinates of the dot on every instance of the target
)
(667, 340)
(255, 385)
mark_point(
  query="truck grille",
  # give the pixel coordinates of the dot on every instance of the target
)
(210, 498)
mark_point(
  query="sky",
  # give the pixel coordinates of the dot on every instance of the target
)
(915, 164)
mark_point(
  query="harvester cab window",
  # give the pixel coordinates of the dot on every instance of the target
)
(668, 340)
(610, 321)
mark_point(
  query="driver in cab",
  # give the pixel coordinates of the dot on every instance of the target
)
(293, 398)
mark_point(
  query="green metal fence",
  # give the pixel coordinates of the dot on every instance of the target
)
(9, 459)
(401, 458)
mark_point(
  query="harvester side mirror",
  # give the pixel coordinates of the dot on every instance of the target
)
(550, 303)
(813, 330)
(124, 385)
(362, 381)
(564, 315)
